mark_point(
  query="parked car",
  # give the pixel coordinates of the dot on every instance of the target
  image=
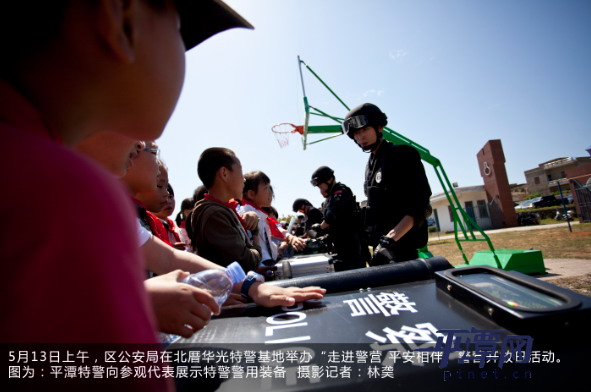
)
(527, 203)
(568, 199)
(546, 201)
(539, 202)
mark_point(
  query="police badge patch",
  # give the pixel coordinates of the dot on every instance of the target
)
(379, 176)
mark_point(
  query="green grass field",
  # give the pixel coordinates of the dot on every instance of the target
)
(555, 243)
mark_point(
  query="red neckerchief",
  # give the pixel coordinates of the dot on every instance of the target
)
(231, 205)
(271, 222)
(156, 226)
(171, 229)
(274, 229)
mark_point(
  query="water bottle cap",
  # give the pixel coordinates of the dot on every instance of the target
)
(235, 272)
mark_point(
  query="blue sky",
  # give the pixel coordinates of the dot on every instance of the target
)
(450, 75)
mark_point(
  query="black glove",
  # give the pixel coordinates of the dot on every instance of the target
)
(382, 254)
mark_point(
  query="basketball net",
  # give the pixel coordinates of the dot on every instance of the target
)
(283, 130)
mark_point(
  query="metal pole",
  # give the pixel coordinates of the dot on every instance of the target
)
(306, 105)
(564, 207)
(324, 84)
(301, 75)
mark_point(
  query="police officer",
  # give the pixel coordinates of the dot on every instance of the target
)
(313, 214)
(341, 220)
(396, 186)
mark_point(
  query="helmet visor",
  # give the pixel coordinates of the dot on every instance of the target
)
(315, 181)
(354, 123)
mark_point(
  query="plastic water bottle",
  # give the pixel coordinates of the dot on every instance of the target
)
(218, 282)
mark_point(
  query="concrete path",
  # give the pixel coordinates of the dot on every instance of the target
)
(565, 268)
(518, 228)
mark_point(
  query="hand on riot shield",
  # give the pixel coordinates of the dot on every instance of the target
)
(383, 254)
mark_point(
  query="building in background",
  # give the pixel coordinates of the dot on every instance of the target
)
(473, 200)
(490, 205)
(579, 184)
(543, 178)
(491, 161)
(519, 192)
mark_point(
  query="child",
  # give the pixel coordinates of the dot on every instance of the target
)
(217, 231)
(258, 194)
(156, 198)
(186, 208)
(76, 68)
(286, 242)
(181, 222)
(147, 180)
(174, 236)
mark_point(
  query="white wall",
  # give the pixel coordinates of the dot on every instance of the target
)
(473, 194)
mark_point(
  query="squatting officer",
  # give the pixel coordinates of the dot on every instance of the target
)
(341, 220)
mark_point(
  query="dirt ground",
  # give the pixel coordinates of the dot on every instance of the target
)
(573, 274)
(581, 284)
(567, 255)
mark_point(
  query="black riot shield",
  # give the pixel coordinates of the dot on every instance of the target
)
(419, 324)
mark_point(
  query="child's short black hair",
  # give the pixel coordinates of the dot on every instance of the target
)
(271, 211)
(199, 193)
(253, 179)
(299, 203)
(211, 160)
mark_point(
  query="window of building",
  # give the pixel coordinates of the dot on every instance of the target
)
(549, 177)
(470, 209)
(451, 215)
(482, 209)
(537, 180)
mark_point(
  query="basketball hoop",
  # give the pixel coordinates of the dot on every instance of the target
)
(283, 130)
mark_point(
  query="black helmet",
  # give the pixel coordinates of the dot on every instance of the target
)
(366, 114)
(322, 174)
(299, 203)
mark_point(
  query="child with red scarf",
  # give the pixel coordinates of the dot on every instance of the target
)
(217, 231)
(147, 180)
(256, 195)
(164, 214)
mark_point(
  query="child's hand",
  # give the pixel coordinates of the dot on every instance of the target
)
(297, 243)
(179, 308)
(269, 296)
(235, 299)
(251, 219)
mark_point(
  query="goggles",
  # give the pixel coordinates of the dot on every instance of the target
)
(354, 123)
(314, 181)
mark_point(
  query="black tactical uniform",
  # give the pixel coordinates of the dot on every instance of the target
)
(314, 216)
(395, 186)
(342, 214)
